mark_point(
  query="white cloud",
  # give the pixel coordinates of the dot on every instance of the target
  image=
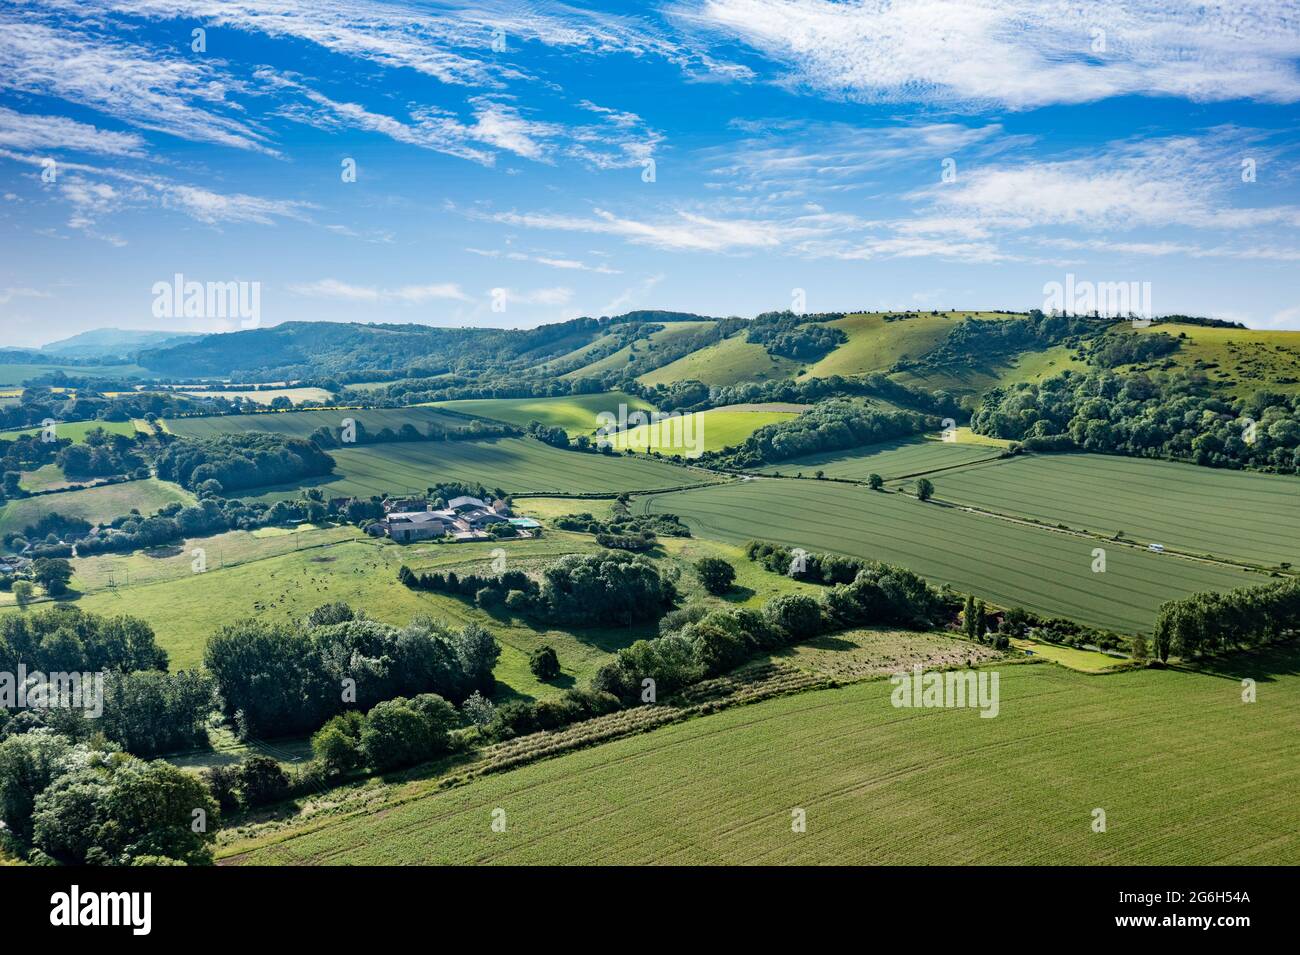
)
(406, 294)
(684, 232)
(544, 297)
(552, 261)
(7, 295)
(1018, 53)
(29, 131)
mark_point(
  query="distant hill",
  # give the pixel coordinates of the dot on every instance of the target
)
(347, 350)
(113, 342)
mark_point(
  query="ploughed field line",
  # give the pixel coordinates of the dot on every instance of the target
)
(1237, 516)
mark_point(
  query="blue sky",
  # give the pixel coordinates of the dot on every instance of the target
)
(795, 144)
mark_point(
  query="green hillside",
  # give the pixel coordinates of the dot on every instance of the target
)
(643, 353)
(727, 362)
(576, 414)
(1242, 361)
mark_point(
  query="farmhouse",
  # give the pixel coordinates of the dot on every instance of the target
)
(464, 519)
(407, 526)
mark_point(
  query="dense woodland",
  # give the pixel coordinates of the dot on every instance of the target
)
(829, 426)
(1149, 415)
(238, 461)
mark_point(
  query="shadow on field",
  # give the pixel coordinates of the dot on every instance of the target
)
(1262, 665)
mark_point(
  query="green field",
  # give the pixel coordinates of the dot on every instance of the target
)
(45, 478)
(1184, 771)
(76, 430)
(1237, 515)
(300, 424)
(517, 465)
(283, 578)
(17, 374)
(576, 414)
(1007, 563)
(710, 430)
(727, 362)
(890, 459)
(1085, 661)
(93, 504)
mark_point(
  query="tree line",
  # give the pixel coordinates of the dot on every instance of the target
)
(1209, 623)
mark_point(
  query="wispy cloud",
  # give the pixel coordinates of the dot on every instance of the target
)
(95, 192)
(1167, 181)
(684, 231)
(406, 294)
(1017, 53)
(28, 131)
(141, 86)
(551, 261)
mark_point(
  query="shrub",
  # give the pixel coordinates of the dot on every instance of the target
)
(403, 732)
(544, 663)
(715, 574)
(798, 615)
(262, 781)
(337, 744)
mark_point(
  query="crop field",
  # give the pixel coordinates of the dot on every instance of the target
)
(514, 464)
(1006, 563)
(1162, 752)
(264, 396)
(300, 424)
(714, 430)
(93, 504)
(890, 459)
(76, 430)
(1237, 515)
(726, 362)
(645, 353)
(575, 414)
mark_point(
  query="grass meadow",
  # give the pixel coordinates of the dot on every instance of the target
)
(76, 430)
(93, 504)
